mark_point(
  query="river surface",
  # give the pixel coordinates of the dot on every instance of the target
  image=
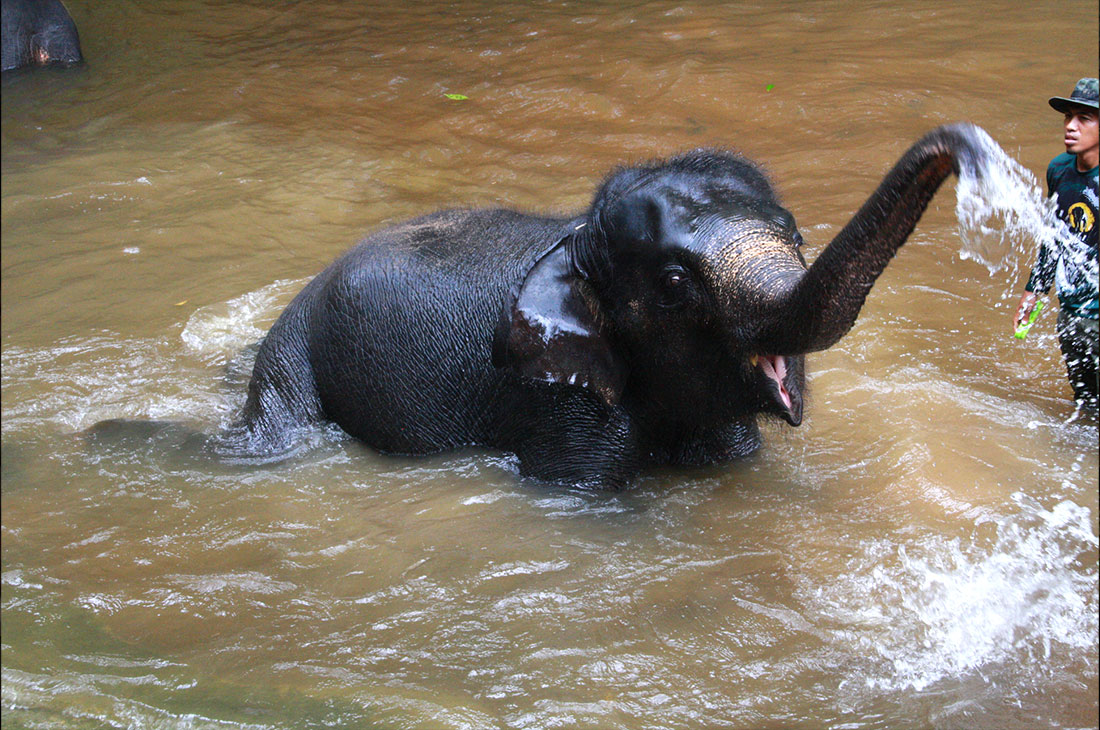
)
(920, 553)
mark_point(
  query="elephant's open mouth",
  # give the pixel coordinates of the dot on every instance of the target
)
(774, 369)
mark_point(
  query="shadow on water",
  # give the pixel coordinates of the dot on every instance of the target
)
(95, 679)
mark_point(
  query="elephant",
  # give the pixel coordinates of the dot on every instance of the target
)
(655, 328)
(38, 33)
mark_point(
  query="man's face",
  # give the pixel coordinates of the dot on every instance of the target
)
(1081, 130)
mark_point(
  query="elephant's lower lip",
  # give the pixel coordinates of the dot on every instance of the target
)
(774, 368)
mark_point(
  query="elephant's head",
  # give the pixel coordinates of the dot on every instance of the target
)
(683, 293)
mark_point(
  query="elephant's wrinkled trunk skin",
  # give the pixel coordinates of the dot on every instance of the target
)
(822, 306)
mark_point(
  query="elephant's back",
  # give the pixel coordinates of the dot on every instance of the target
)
(457, 242)
(402, 334)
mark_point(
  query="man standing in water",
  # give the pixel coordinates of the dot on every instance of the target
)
(1071, 261)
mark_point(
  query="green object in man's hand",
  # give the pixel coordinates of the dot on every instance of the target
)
(1024, 327)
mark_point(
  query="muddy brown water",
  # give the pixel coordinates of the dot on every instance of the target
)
(921, 553)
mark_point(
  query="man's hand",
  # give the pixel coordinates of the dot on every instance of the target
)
(1023, 309)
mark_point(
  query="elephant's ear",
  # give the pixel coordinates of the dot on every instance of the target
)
(547, 331)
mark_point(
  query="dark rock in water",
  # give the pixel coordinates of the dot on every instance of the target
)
(38, 33)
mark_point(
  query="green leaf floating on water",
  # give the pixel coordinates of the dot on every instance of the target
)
(456, 97)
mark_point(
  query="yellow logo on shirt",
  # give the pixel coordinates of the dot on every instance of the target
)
(1080, 218)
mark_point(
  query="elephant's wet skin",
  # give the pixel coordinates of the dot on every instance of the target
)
(655, 328)
(37, 33)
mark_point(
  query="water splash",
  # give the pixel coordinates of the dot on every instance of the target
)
(943, 608)
(1004, 217)
(1016, 602)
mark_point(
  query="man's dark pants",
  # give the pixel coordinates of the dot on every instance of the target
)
(1078, 338)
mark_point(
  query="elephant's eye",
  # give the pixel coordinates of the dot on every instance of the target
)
(673, 278)
(675, 286)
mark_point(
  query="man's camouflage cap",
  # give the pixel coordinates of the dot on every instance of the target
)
(1084, 94)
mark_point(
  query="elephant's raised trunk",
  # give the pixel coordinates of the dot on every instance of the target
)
(823, 304)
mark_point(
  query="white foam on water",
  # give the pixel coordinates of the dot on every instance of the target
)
(939, 608)
(82, 380)
(228, 327)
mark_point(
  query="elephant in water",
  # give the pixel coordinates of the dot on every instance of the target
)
(37, 33)
(656, 327)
